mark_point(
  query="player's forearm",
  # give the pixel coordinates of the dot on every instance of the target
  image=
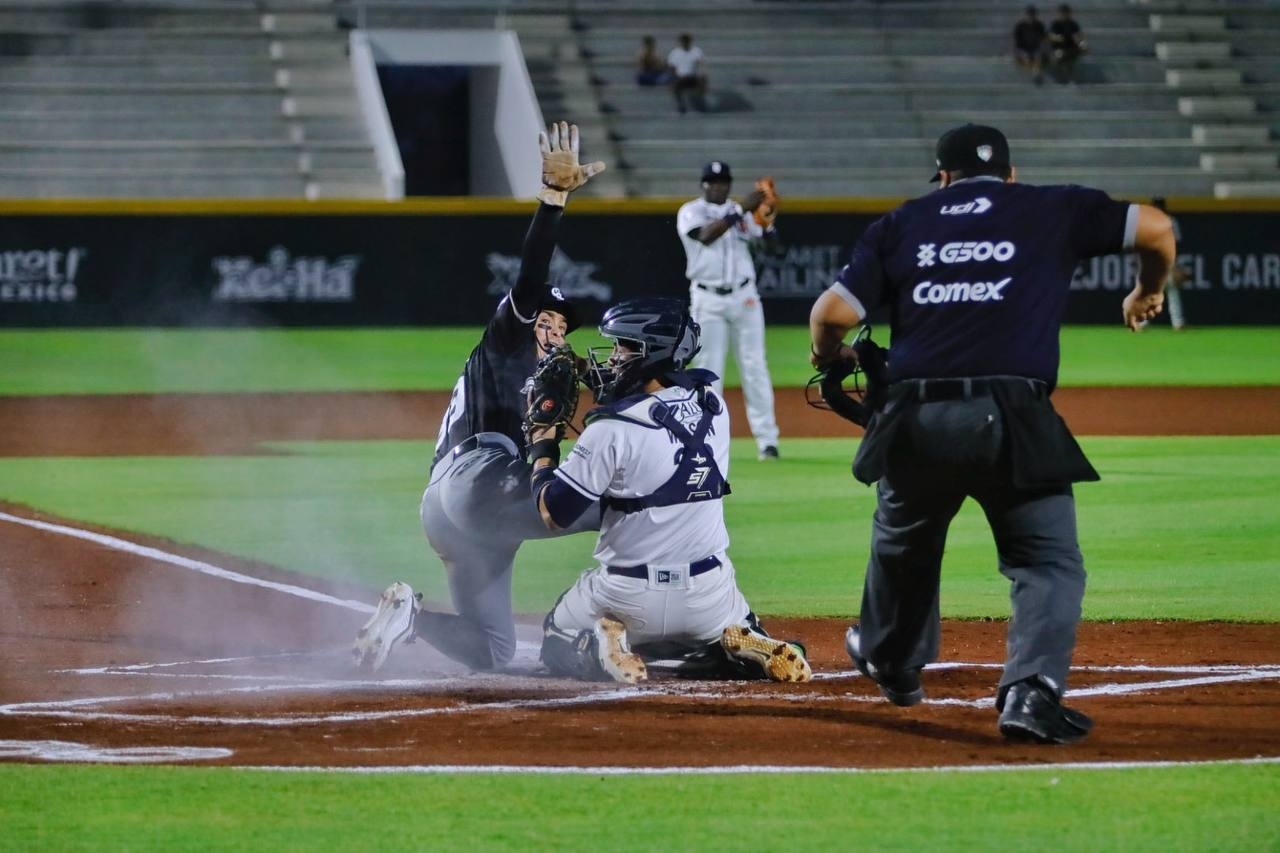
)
(543, 476)
(1156, 248)
(535, 257)
(829, 321)
(716, 229)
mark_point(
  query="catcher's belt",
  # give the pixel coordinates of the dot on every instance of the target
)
(641, 572)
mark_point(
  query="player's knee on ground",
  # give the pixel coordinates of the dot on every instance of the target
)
(460, 639)
(568, 653)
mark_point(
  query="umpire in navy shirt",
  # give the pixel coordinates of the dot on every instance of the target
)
(976, 277)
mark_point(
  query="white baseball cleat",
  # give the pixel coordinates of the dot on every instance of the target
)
(391, 625)
(616, 657)
(781, 661)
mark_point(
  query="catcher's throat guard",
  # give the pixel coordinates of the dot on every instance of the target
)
(853, 388)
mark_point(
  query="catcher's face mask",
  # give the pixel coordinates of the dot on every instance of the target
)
(615, 371)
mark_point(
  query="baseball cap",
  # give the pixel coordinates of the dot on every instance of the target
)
(972, 149)
(716, 170)
(553, 299)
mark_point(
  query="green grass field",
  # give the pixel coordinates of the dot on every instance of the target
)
(1164, 809)
(1179, 528)
(157, 361)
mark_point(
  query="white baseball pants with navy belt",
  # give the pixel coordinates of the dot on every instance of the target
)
(668, 605)
(737, 318)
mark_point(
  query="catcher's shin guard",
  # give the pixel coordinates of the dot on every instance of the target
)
(572, 654)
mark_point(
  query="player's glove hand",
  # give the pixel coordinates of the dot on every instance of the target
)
(561, 172)
(767, 211)
(552, 393)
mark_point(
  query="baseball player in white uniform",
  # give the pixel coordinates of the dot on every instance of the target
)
(717, 232)
(655, 456)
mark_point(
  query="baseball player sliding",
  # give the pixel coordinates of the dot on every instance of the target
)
(717, 234)
(476, 510)
(655, 455)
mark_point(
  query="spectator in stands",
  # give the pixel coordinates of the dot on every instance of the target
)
(1066, 44)
(690, 79)
(1029, 44)
(651, 70)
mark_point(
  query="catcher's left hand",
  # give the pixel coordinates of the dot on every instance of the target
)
(767, 211)
(552, 393)
(561, 172)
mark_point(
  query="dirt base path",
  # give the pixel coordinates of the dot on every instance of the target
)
(186, 424)
(112, 650)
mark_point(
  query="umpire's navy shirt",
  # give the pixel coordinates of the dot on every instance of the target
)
(976, 275)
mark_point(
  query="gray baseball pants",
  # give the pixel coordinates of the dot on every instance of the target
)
(476, 511)
(946, 451)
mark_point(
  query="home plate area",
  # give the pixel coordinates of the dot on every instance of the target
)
(127, 649)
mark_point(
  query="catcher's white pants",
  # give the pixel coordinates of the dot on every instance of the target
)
(691, 610)
(738, 317)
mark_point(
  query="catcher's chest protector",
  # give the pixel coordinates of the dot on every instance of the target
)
(696, 478)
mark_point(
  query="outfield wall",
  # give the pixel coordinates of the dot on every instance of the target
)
(447, 261)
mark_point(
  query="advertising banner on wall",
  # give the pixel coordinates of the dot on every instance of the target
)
(419, 269)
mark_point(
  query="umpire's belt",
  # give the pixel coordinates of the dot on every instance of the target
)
(642, 571)
(934, 390)
(721, 291)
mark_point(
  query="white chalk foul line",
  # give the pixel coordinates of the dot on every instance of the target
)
(80, 709)
(61, 750)
(117, 544)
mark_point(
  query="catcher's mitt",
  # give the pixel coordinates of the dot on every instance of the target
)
(768, 209)
(561, 172)
(552, 392)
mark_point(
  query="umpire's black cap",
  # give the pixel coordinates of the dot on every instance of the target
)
(716, 170)
(553, 299)
(974, 149)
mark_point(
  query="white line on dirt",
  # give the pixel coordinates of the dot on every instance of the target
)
(77, 709)
(61, 750)
(748, 769)
(159, 556)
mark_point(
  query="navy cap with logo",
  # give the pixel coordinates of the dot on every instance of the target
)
(716, 170)
(974, 149)
(554, 300)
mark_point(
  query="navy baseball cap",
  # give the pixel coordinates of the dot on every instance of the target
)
(716, 170)
(554, 300)
(972, 149)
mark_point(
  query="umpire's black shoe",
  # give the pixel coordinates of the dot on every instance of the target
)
(901, 688)
(1033, 712)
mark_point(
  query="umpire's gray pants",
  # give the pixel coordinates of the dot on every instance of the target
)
(947, 451)
(476, 511)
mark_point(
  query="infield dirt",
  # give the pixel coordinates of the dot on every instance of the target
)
(110, 648)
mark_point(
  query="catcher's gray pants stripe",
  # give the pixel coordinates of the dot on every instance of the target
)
(476, 511)
(948, 451)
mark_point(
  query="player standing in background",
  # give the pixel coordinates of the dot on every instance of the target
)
(1178, 276)
(655, 455)
(475, 510)
(717, 233)
(978, 285)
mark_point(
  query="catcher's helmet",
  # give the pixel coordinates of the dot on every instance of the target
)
(662, 335)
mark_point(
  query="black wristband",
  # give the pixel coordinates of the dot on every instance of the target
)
(733, 218)
(547, 448)
(540, 479)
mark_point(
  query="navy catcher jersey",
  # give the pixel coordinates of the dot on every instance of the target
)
(489, 396)
(976, 275)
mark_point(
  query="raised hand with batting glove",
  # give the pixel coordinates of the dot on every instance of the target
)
(561, 172)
